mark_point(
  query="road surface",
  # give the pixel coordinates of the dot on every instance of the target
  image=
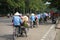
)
(6, 31)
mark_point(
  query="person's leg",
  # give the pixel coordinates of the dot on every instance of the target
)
(31, 24)
(22, 30)
(34, 23)
(19, 29)
(39, 21)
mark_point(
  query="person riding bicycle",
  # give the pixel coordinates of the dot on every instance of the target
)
(16, 22)
(25, 20)
(32, 18)
(24, 25)
(47, 15)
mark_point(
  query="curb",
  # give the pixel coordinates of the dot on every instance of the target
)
(51, 33)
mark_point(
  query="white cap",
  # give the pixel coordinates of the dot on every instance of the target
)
(17, 13)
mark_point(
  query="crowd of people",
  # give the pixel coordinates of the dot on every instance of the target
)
(21, 22)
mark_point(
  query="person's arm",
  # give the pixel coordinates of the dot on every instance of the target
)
(21, 21)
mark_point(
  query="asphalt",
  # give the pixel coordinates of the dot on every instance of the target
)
(6, 31)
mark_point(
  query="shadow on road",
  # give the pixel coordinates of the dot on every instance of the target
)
(45, 23)
(7, 37)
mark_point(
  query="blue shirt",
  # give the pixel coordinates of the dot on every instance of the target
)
(43, 15)
(32, 18)
(38, 16)
(17, 20)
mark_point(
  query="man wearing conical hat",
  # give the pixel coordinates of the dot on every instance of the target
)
(17, 22)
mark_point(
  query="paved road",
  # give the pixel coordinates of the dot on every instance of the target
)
(6, 31)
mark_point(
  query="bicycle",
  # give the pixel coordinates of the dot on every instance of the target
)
(15, 32)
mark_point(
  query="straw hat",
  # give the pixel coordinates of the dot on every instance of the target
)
(25, 18)
(17, 13)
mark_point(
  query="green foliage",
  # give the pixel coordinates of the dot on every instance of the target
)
(16, 3)
(37, 5)
(19, 4)
(54, 9)
(54, 3)
(34, 4)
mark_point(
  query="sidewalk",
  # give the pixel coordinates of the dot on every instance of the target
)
(58, 32)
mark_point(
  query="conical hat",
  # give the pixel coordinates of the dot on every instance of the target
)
(17, 13)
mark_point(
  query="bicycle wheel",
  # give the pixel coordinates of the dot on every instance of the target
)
(15, 33)
(14, 37)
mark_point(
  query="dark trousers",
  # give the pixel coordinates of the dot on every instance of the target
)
(18, 28)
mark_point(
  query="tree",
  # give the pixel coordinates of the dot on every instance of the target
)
(17, 4)
(37, 5)
(24, 5)
(54, 3)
